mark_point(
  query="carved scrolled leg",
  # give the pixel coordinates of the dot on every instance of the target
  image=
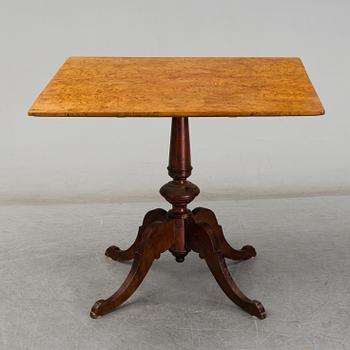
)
(118, 254)
(203, 240)
(207, 216)
(156, 238)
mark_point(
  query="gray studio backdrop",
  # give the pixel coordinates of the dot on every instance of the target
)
(43, 160)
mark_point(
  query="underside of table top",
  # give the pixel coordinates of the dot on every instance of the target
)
(178, 87)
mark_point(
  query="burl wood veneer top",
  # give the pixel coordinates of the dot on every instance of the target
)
(168, 87)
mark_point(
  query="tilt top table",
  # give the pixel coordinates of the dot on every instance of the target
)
(179, 88)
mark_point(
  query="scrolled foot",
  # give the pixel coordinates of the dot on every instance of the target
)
(207, 216)
(156, 238)
(118, 254)
(249, 251)
(204, 241)
(255, 308)
(244, 253)
(96, 309)
(113, 252)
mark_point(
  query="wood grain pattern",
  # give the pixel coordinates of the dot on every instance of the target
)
(178, 87)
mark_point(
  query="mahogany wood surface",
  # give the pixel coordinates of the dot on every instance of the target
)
(178, 87)
(179, 230)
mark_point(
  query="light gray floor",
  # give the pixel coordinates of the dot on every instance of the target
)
(52, 269)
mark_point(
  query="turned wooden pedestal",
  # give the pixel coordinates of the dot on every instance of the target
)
(179, 230)
(179, 87)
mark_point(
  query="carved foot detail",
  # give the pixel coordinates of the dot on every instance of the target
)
(207, 216)
(203, 240)
(95, 312)
(118, 254)
(245, 253)
(155, 239)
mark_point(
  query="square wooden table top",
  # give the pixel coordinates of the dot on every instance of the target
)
(178, 87)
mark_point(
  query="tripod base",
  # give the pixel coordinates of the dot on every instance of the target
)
(160, 232)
